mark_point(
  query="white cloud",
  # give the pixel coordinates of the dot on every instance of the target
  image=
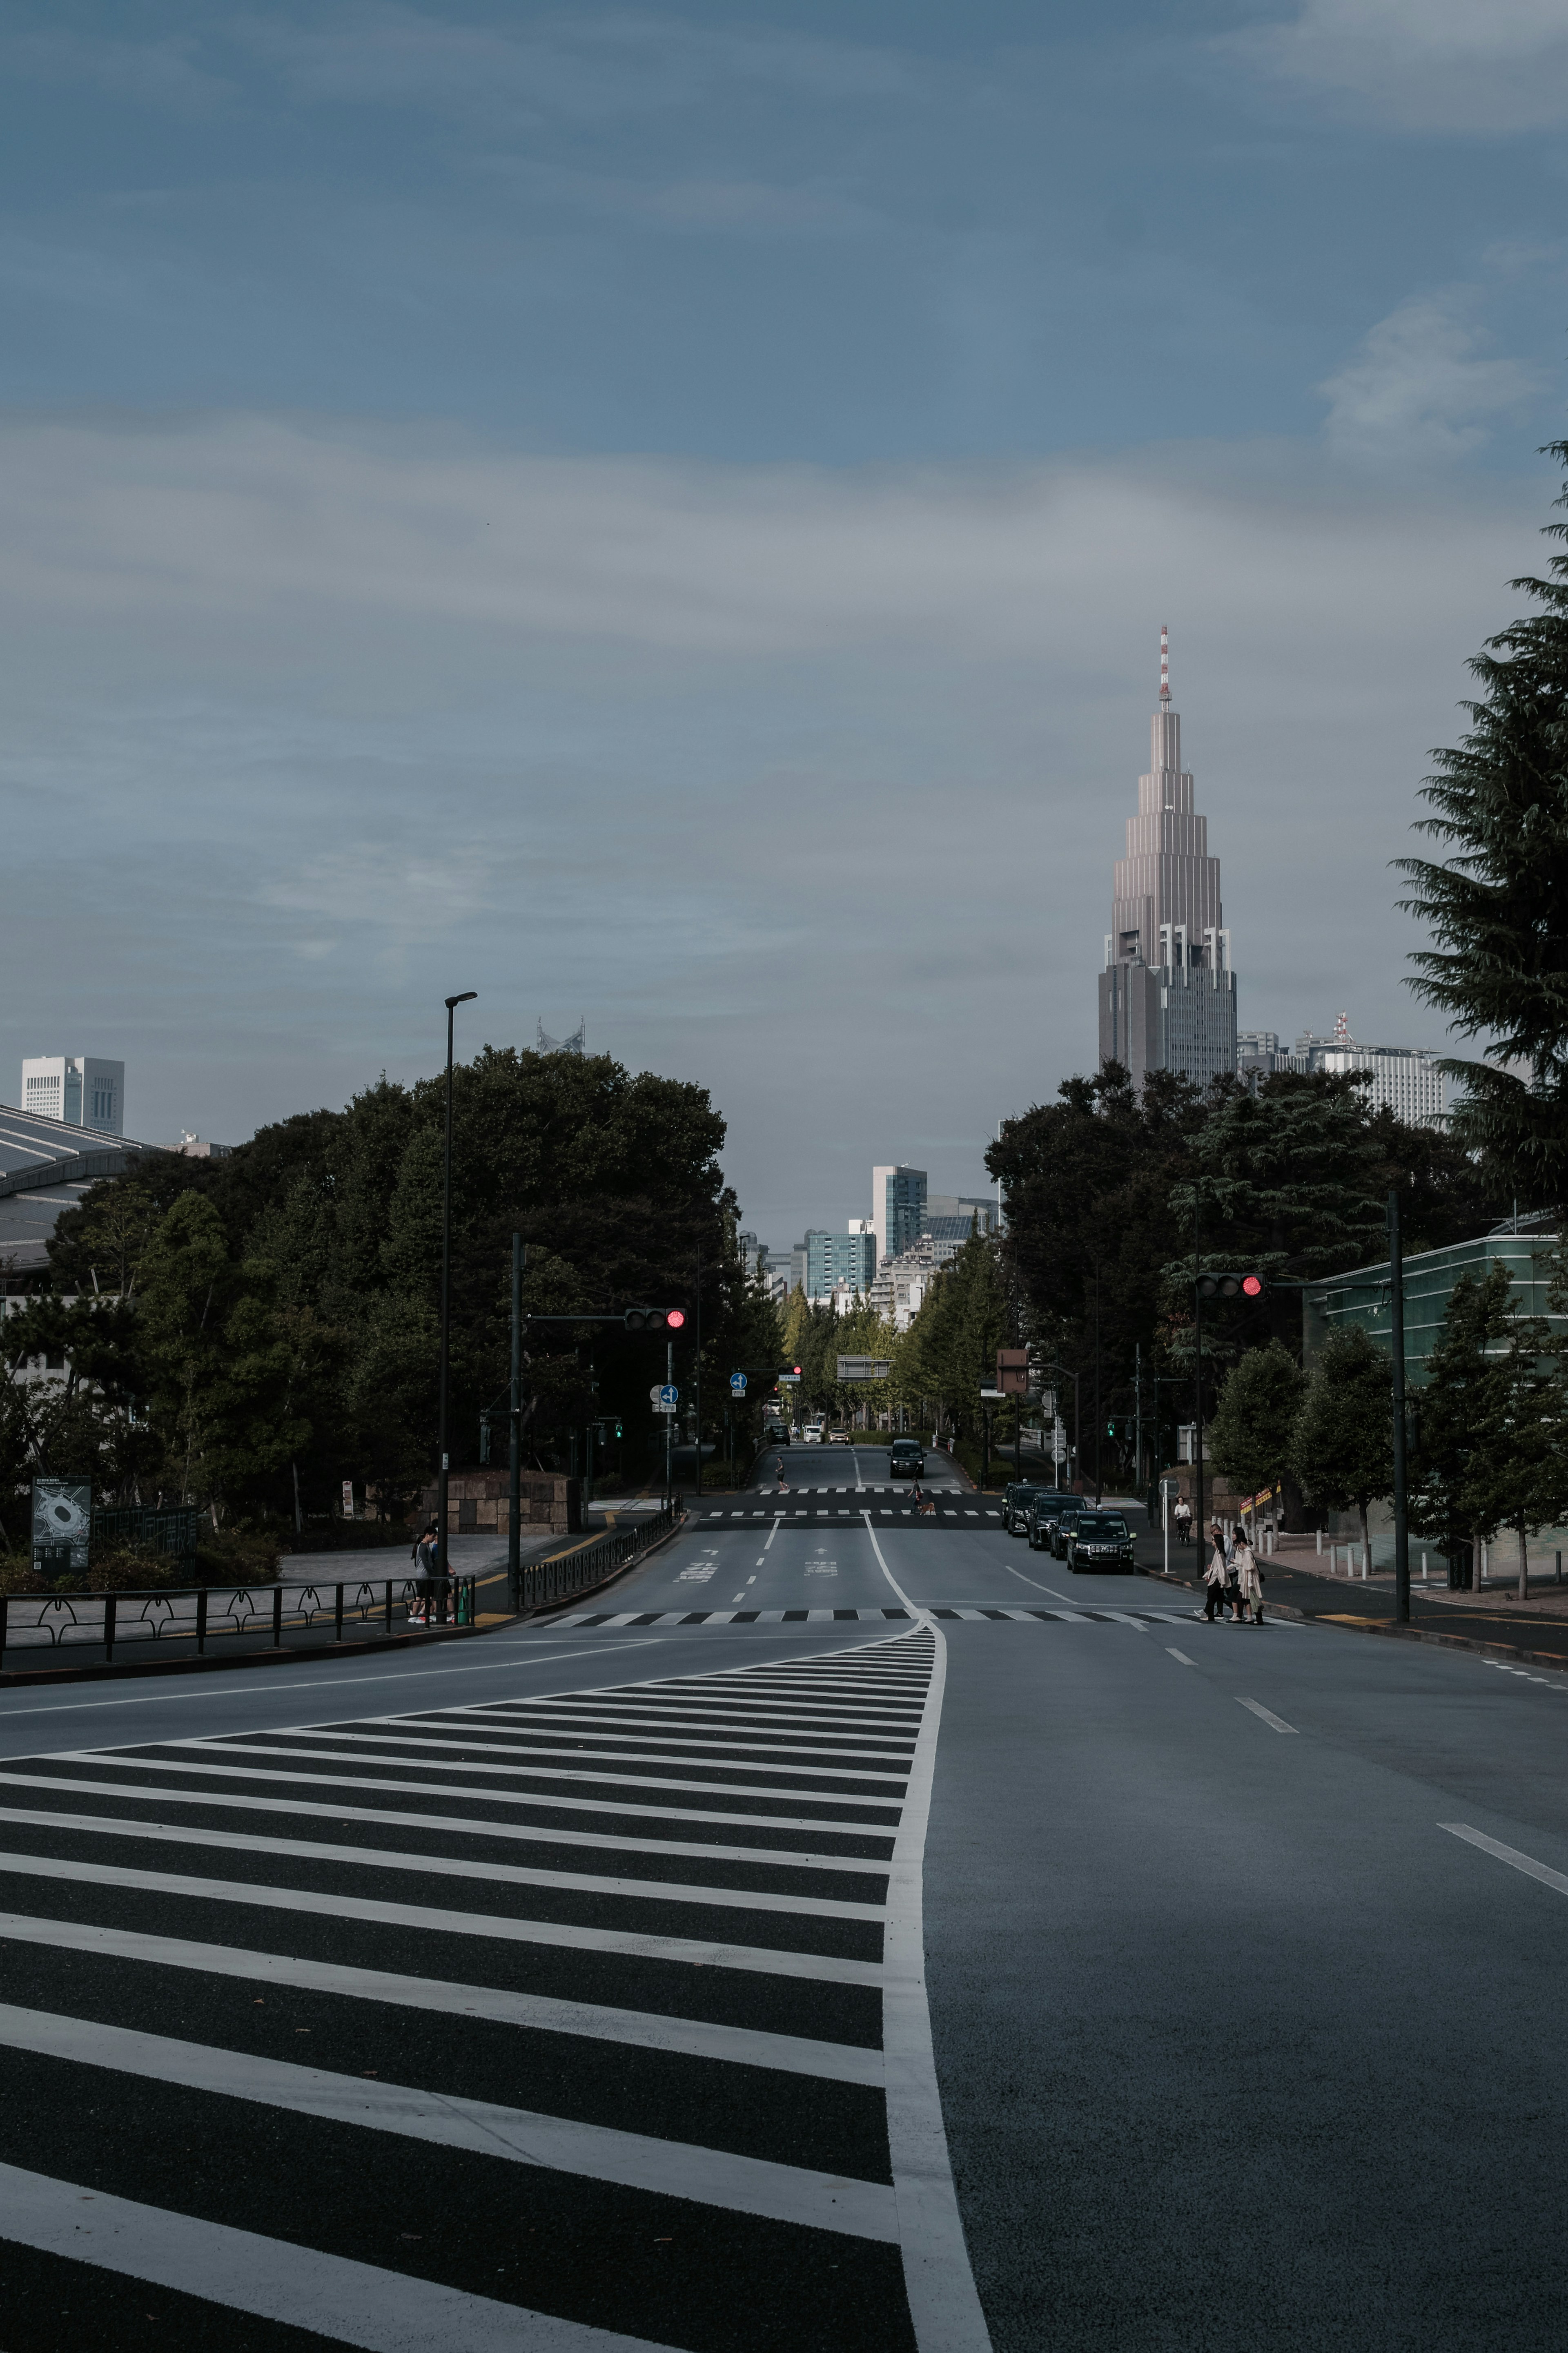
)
(1488, 65)
(347, 718)
(1421, 387)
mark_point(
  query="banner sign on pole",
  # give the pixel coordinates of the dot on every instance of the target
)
(62, 1522)
(864, 1368)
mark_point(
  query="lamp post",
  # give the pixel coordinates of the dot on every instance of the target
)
(1400, 1498)
(447, 1289)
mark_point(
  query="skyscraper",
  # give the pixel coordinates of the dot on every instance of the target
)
(1167, 995)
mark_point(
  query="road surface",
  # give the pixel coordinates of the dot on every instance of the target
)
(561, 1989)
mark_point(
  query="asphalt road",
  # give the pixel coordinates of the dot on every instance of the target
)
(561, 1989)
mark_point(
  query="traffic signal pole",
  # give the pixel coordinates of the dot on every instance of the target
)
(1197, 1382)
(1401, 1500)
(514, 1533)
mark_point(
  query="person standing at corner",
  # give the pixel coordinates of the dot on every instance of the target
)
(1214, 1576)
(426, 1576)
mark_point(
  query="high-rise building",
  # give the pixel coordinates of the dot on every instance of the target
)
(1167, 995)
(897, 1208)
(832, 1259)
(77, 1089)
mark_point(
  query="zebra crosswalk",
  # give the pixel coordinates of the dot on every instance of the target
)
(565, 2022)
(986, 1613)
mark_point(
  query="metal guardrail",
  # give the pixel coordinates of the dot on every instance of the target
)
(541, 1582)
(266, 1617)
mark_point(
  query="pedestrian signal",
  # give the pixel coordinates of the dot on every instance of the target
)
(1230, 1286)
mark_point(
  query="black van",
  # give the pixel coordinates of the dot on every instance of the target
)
(906, 1459)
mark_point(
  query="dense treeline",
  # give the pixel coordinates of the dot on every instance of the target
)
(254, 1330)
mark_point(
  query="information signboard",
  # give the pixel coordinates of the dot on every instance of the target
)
(864, 1368)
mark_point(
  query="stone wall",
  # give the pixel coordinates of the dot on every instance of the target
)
(478, 1502)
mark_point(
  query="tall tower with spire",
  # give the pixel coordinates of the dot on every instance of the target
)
(1167, 995)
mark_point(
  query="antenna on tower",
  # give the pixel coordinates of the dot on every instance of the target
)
(1164, 665)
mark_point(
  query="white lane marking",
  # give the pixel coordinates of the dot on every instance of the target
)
(697, 1709)
(324, 1683)
(762, 1960)
(1035, 1583)
(444, 1866)
(1510, 1855)
(772, 1533)
(944, 2304)
(1180, 1656)
(643, 1719)
(695, 2038)
(670, 2168)
(523, 1833)
(553, 1804)
(330, 2297)
(760, 1758)
(1268, 1716)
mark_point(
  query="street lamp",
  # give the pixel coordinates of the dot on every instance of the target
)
(467, 997)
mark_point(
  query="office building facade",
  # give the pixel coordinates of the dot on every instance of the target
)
(79, 1089)
(1167, 992)
(898, 1208)
(832, 1259)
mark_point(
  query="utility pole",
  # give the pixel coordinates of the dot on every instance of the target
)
(697, 1368)
(447, 1291)
(1401, 1500)
(1137, 1415)
(669, 1429)
(514, 1533)
(1098, 1490)
(1198, 1383)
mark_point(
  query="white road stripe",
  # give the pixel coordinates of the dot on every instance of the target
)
(944, 2304)
(693, 2038)
(515, 1734)
(1268, 1716)
(761, 1960)
(554, 1803)
(700, 1711)
(669, 2169)
(1510, 1855)
(447, 1866)
(338, 2300)
(567, 1773)
(525, 1833)
(1181, 1657)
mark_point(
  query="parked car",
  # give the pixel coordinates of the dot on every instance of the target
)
(812, 1434)
(1041, 1516)
(1100, 1540)
(1066, 1519)
(1017, 1497)
(906, 1459)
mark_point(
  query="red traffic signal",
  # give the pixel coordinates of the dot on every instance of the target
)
(675, 1318)
(1230, 1286)
(654, 1319)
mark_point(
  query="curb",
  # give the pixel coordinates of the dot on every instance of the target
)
(11, 1677)
(570, 1601)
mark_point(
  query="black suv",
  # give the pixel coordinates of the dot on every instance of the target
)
(906, 1459)
(1018, 1499)
(1041, 1519)
(1098, 1540)
(1066, 1521)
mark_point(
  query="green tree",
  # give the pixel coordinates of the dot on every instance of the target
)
(1342, 1451)
(1251, 1436)
(1498, 905)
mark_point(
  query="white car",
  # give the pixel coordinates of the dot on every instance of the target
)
(839, 1438)
(812, 1434)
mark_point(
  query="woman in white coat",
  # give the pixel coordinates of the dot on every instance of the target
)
(1248, 1576)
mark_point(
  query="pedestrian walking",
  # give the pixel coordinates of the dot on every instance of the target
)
(783, 1483)
(1214, 1575)
(1249, 1576)
(1232, 1573)
(1183, 1516)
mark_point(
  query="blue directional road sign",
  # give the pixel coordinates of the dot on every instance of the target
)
(667, 1393)
(738, 1384)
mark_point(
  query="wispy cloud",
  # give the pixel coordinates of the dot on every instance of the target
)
(1421, 387)
(1487, 66)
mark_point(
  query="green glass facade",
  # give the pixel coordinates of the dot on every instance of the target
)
(1362, 1296)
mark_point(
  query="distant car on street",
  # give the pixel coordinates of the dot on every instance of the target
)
(840, 1438)
(1100, 1540)
(812, 1434)
(1016, 1498)
(906, 1459)
(776, 1434)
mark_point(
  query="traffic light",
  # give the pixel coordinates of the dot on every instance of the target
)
(1230, 1286)
(654, 1319)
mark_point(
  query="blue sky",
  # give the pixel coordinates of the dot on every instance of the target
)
(665, 516)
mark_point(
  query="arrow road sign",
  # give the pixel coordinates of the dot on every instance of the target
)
(669, 1393)
(738, 1384)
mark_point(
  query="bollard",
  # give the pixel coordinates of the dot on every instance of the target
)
(278, 1616)
(1422, 1569)
(1320, 1536)
(202, 1622)
(338, 1618)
